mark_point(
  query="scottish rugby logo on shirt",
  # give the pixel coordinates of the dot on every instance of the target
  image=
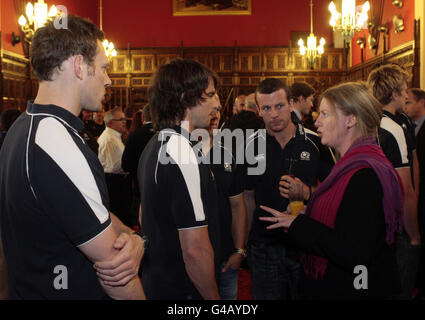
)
(305, 156)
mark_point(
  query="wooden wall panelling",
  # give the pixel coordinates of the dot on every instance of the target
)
(240, 69)
(403, 55)
(16, 87)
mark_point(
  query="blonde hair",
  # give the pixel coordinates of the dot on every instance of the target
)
(385, 80)
(354, 98)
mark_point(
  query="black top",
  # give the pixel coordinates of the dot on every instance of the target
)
(229, 182)
(134, 146)
(95, 128)
(2, 137)
(53, 198)
(176, 194)
(358, 238)
(420, 151)
(300, 157)
(244, 120)
(409, 132)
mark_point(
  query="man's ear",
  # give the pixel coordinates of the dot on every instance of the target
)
(79, 66)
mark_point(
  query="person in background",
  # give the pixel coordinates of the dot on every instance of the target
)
(388, 83)
(97, 125)
(232, 211)
(7, 118)
(134, 146)
(136, 122)
(111, 148)
(302, 101)
(415, 109)
(352, 219)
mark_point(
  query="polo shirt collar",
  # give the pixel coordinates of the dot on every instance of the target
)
(299, 134)
(389, 115)
(56, 112)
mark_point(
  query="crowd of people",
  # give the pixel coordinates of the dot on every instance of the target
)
(170, 207)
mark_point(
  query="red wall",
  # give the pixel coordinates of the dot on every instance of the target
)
(148, 23)
(9, 18)
(394, 39)
(9, 24)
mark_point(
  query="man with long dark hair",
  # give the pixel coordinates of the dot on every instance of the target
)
(178, 194)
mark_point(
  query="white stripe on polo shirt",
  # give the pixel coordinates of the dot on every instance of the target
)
(180, 150)
(397, 131)
(55, 140)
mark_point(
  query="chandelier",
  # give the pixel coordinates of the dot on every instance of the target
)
(35, 17)
(349, 21)
(312, 51)
(108, 46)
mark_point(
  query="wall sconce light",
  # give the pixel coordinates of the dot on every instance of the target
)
(383, 28)
(398, 23)
(361, 42)
(15, 39)
(398, 3)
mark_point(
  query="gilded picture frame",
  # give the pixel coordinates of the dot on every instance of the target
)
(211, 7)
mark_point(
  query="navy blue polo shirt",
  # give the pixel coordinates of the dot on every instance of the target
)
(392, 139)
(229, 181)
(177, 193)
(53, 199)
(300, 157)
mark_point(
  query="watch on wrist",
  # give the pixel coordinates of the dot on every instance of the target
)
(241, 251)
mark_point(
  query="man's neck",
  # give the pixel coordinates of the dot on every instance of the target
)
(51, 92)
(285, 135)
(297, 111)
(391, 108)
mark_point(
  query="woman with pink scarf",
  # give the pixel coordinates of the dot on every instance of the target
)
(351, 221)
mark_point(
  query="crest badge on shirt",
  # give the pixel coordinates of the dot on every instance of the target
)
(305, 156)
(228, 167)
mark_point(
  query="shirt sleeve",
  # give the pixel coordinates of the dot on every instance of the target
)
(184, 185)
(393, 143)
(66, 186)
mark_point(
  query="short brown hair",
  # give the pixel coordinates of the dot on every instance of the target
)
(52, 46)
(354, 98)
(270, 85)
(419, 94)
(385, 80)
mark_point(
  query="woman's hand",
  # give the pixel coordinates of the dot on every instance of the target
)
(280, 219)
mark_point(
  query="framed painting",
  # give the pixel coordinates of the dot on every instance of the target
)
(211, 7)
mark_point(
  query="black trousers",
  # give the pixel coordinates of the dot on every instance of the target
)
(120, 197)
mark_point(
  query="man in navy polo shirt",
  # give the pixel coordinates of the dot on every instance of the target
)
(54, 214)
(285, 150)
(389, 86)
(178, 194)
